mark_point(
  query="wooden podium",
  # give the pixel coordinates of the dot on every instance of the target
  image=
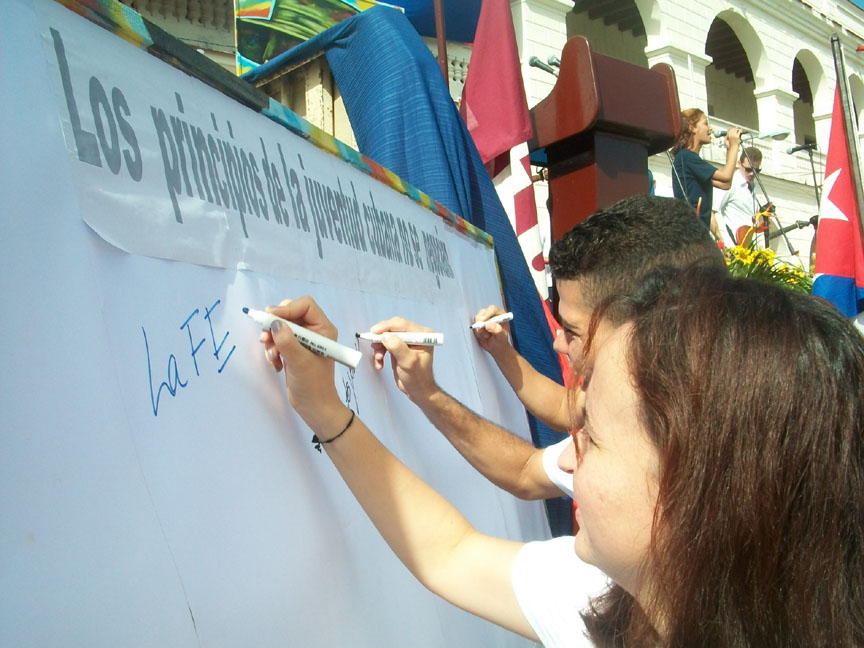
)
(601, 121)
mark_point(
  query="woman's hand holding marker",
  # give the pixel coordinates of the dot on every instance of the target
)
(309, 377)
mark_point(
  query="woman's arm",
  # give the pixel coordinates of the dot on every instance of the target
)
(431, 538)
(722, 178)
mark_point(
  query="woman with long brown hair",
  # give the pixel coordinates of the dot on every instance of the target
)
(719, 479)
(694, 179)
(751, 396)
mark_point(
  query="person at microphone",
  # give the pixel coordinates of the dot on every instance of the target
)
(694, 179)
(738, 205)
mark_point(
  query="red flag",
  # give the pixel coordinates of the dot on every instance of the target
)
(839, 255)
(493, 99)
(496, 113)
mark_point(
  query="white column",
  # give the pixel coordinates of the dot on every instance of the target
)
(689, 73)
(774, 108)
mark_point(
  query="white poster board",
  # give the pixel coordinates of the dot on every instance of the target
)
(156, 489)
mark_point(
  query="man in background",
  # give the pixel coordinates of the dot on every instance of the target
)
(738, 206)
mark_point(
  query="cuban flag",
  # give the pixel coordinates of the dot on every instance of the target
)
(839, 275)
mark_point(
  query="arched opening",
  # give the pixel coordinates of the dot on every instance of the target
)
(612, 27)
(802, 107)
(729, 78)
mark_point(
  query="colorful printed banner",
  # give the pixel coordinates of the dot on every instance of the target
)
(266, 28)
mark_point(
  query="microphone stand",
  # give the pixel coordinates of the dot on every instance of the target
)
(758, 181)
(814, 221)
(815, 184)
(796, 225)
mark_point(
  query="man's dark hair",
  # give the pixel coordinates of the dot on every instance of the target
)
(618, 245)
(753, 153)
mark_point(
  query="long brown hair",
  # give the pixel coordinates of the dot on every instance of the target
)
(689, 118)
(754, 398)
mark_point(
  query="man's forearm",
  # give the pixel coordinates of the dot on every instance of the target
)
(543, 397)
(505, 459)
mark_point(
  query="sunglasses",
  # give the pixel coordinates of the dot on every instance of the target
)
(751, 169)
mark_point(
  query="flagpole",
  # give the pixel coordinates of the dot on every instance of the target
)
(441, 38)
(849, 128)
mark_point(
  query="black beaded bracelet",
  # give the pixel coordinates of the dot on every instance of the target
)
(317, 442)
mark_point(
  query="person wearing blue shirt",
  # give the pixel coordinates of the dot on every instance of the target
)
(694, 179)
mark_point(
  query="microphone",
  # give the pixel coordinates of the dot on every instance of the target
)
(554, 60)
(775, 134)
(536, 62)
(801, 147)
(722, 133)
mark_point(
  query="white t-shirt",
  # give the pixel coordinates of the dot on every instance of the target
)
(552, 586)
(858, 322)
(561, 479)
(737, 207)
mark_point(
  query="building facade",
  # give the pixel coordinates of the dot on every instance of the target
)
(764, 65)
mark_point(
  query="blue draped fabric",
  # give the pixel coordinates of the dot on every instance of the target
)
(403, 118)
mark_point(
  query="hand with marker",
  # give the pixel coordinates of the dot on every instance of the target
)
(494, 337)
(309, 377)
(412, 365)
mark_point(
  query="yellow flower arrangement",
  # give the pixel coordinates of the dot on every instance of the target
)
(763, 265)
